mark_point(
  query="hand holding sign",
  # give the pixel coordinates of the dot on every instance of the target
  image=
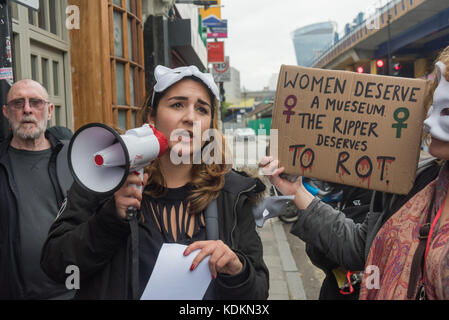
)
(286, 185)
(270, 168)
(348, 128)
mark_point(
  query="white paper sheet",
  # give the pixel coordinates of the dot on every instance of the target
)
(172, 279)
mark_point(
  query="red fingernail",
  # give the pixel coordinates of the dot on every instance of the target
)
(214, 277)
(185, 252)
(192, 267)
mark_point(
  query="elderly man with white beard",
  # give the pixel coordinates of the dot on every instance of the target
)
(31, 193)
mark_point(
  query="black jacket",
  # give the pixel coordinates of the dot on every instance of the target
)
(345, 242)
(90, 235)
(11, 282)
(355, 205)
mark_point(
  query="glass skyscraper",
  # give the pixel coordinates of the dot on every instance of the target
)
(311, 40)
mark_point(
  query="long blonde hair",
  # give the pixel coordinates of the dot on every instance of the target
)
(208, 179)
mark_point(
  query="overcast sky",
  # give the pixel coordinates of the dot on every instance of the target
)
(259, 32)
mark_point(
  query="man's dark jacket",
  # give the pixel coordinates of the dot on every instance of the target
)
(90, 235)
(11, 281)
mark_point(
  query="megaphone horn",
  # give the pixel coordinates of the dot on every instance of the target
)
(100, 159)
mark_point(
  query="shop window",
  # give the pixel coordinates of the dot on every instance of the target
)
(122, 119)
(120, 84)
(131, 86)
(40, 53)
(118, 34)
(14, 11)
(59, 121)
(47, 68)
(34, 67)
(44, 65)
(48, 17)
(56, 78)
(126, 60)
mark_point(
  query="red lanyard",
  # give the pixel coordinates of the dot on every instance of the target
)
(351, 288)
(430, 234)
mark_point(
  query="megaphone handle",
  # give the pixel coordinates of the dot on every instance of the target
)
(132, 212)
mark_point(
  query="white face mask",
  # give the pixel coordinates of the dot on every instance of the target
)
(437, 122)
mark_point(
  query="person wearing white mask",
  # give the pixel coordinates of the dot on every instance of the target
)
(403, 244)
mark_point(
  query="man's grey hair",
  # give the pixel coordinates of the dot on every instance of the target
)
(42, 124)
(29, 81)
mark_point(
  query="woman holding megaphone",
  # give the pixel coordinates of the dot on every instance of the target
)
(179, 188)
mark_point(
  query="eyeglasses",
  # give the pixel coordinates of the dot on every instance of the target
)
(19, 104)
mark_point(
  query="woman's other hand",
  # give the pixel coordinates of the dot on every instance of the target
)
(222, 258)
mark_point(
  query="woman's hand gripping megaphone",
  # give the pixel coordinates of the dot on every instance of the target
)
(129, 196)
(144, 145)
(104, 162)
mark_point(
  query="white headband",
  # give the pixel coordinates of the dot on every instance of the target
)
(166, 77)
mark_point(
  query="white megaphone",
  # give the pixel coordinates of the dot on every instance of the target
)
(100, 159)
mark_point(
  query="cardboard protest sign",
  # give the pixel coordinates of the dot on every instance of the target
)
(355, 129)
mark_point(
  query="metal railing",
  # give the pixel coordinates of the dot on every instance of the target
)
(371, 21)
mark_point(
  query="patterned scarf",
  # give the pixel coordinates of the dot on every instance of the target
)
(387, 270)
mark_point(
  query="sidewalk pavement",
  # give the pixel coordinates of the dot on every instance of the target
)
(285, 280)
